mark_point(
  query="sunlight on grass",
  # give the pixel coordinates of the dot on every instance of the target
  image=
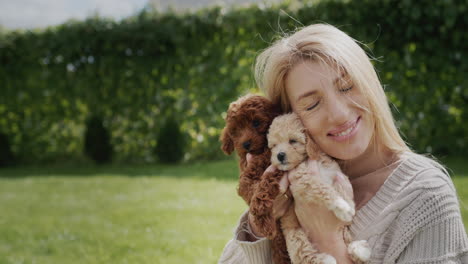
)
(147, 214)
(118, 219)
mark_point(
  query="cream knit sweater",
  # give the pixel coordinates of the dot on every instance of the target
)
(413, 218)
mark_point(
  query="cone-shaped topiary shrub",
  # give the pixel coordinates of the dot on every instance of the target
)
(170, 146)
(6, 155)
(97, 141)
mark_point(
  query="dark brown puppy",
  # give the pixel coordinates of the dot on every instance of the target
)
(247, 122)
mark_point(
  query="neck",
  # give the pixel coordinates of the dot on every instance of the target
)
(374, 158)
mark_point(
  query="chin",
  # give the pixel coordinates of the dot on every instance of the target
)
(284, 167)
(348, 153)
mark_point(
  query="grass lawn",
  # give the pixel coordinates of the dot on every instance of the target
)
(145, 214)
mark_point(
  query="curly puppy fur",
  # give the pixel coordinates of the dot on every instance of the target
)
(247, 122)
(290, 147)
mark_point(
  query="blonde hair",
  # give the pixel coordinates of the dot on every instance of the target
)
(327, 44)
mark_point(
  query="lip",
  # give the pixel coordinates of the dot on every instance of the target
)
(344, 127)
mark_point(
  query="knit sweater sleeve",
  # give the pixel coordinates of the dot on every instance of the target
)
(238, 250)
(430, 228)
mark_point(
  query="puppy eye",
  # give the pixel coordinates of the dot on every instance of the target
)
(292, 141)
(256, 123)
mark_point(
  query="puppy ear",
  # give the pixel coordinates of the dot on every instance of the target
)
(313, 150)
(227, 144)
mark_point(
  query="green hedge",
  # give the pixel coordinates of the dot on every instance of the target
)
(138, 72)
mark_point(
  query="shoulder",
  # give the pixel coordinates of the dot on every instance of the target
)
(428, 208)
(428, 197)
(423, 194)
(418, 173)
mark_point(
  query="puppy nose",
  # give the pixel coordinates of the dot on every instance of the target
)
(246, 145)
(281, 156)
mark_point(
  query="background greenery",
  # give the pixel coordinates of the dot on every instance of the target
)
(154, 69)
(137, 73)
(124, 214)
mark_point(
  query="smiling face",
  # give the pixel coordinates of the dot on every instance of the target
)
(332, 109)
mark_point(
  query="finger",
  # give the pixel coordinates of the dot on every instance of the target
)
(290, 175)
(248, 157)
(284, 183)
(270, 168)
(280, 206)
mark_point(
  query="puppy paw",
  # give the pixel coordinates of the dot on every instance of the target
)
(325, 259)
(359, 251)
(321, 258)
(343, 210)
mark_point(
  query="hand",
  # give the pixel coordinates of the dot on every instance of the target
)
(280, 204)
(320, 224)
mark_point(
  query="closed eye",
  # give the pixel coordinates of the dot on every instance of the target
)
(313, 106)
(347, 89)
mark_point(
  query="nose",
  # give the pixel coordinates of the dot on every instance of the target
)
(246, 145)
(338, 109)
(281, 156)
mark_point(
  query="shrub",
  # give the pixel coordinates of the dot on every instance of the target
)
(97, 141)
(170, 146)
(193, 65)
(6, 155)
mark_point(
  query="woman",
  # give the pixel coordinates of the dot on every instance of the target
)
(407, 207)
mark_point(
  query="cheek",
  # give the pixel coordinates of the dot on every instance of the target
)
(359, 103)
(369, 125)
(312, 126)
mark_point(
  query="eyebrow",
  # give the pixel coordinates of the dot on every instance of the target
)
(307, 94)
(302, 96)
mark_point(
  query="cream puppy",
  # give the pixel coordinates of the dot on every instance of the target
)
(290, 148)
